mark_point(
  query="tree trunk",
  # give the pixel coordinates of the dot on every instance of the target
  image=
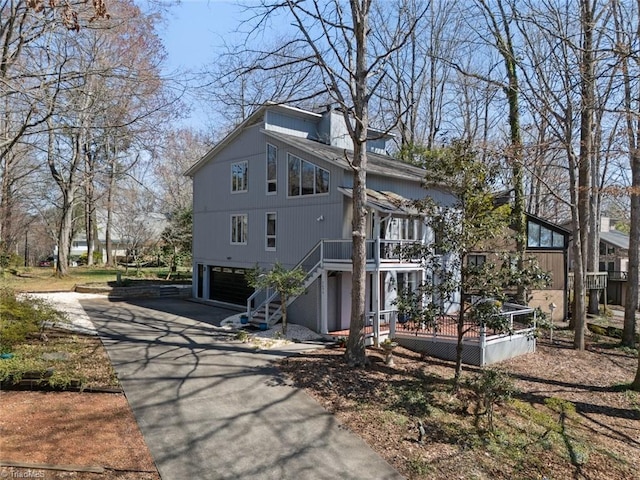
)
(107, 232)
(504, 44)
(633, 277)
(355, 352)
(579, 294)
(459, 346)
(89, 201)
(633, 139)
(64, 234)
(581, 243)
(635, 385)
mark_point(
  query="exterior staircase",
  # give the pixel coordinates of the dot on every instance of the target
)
(264, 307)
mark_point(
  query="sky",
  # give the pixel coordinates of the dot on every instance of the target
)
(194, 32)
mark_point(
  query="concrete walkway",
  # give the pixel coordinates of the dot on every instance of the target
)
(211, 409)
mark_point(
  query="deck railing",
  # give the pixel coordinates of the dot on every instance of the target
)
(337, 251)
(593, 280)
(618, 276)
(521, 319)
(378, 250)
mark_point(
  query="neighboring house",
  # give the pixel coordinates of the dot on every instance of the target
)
(127, 232)
(279, 188)
(548, 243)
(614, 259)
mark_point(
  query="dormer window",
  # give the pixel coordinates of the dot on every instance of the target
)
(306, 178)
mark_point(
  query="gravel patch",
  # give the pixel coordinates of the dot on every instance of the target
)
(273, 337)
(69, 303)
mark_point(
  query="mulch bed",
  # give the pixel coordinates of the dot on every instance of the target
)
(606, 422)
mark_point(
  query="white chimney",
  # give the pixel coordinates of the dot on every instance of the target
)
(605, 224)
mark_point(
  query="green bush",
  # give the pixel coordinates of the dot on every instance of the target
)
(491, 386)
(21, 316)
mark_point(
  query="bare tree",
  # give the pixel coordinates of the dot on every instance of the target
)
(346, 53)
(181, 149)
(628, 33)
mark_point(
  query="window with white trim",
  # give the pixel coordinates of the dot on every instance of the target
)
(270, 231)
(239, 177)
(272, 169)
(239, 229)
(305, 178)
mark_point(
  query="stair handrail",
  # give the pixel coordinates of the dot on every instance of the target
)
(270, 297)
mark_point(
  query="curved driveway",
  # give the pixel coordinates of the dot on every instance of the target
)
(210, 409)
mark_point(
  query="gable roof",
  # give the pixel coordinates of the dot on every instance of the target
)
(376, 163)
(256, 117)
(615, 238)
(385, 202)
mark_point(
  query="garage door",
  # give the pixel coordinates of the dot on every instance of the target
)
(229, 285)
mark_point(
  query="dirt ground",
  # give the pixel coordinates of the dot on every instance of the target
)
(600, 440)
(79, 430)
(99, 430)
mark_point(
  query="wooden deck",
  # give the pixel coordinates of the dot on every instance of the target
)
(445, 327)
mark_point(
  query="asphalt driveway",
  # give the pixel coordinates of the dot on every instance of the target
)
(211, 409)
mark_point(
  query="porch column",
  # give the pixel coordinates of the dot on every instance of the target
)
(324, 302)
(375, 295)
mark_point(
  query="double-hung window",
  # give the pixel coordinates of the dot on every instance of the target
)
(239, 229)
(239, 177)
(272, 169)
(271, 231)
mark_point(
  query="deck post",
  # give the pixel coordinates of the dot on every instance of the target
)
(483, 343)
(324, 303)
(376, 305)
(266, 307)
(392, 323)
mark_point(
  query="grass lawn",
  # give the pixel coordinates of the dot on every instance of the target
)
(43, 279)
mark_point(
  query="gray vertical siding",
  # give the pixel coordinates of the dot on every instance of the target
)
(298, 227)
(291, 125)
(412, 190)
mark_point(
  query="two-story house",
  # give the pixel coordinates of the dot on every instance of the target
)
(278, 189)
(614, 259)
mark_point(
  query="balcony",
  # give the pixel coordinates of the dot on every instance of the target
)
(593, 280)
(378, 251)
(618, 276)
